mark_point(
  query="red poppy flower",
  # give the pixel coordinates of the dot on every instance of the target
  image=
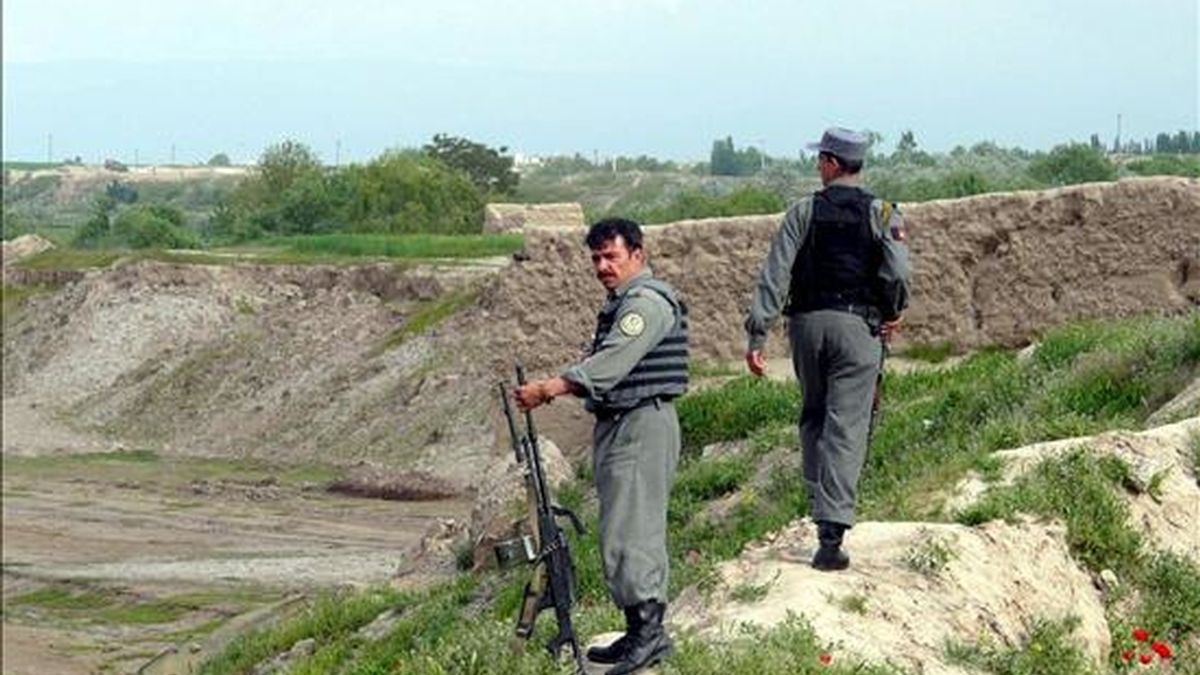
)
(1162, 649)
(825, 658)
(1141, 634)
(1146, 658)
(1127, 655)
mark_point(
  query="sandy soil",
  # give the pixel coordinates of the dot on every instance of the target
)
(154, 530)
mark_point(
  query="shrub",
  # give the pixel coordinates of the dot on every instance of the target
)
(152, 226)
(1072, 163)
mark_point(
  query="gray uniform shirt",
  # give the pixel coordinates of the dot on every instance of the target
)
(775, 279)
(621, 351)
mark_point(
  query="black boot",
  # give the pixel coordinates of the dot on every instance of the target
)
(830, 556)
(614, 652)
(648, 643)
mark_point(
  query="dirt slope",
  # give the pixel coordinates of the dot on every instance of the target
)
(914, 586)
(295, 363)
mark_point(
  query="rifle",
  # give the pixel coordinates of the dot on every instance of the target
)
(553, 582)
(877, 398)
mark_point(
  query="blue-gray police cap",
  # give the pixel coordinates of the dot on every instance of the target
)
(847, 144)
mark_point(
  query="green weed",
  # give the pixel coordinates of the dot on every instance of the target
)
(936, 352)
(1047, 651)
(426, 315)
(930, 556)
(855, 603)
(749, 592)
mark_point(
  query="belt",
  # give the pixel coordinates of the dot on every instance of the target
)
(611, 413)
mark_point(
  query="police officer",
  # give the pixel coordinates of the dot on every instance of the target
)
(838, 268)
(638, 363)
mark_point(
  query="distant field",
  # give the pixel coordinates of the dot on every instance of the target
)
(403, 245)
(30, 166)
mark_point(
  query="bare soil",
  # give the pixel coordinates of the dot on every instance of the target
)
(226, 535)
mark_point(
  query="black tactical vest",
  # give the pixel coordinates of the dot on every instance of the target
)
(663, 371)
(838, 260)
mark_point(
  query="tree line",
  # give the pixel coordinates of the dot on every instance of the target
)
(440, 188)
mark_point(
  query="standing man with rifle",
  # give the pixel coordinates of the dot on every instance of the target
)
(638, 364)
(838, 268)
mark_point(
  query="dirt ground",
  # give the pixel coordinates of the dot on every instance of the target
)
(110, 557)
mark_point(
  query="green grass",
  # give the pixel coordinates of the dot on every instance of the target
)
(1081, 490)
(733, 411)
(1047, 651)
(63, 258)
(936, 352)
(12, 298)
(426, 315)
(855, 603)
(148, 466)
(299, 250)
(102, 606)
(61, 598)
(404, 246)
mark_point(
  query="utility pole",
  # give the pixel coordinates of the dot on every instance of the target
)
(49, 148)
(1117, 144)
(337, 153)
(172, 153)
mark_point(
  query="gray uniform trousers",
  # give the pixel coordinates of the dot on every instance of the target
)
(836, 360)
(635, 455)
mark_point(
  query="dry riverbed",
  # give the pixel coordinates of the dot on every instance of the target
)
(109, 558)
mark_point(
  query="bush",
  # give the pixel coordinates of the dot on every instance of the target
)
(746, 200)
(1072, 163)
(1166, 165)
(152, 226)
(406, 191)
(397, 193)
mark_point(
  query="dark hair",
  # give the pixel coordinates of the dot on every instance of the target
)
(850, 166)
(611, 228)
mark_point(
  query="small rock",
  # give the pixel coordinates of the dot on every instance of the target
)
(1109, 581)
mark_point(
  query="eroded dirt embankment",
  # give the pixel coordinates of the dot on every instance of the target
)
(306, 362)
(991, 269)
(300, 364)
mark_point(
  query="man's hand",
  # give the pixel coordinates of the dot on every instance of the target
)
(756, 362)
(535, 393)
(888, 329)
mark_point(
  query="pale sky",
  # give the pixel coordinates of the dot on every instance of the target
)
(132, 78)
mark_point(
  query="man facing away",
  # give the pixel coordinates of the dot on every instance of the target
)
(638, 363)
(838, 269)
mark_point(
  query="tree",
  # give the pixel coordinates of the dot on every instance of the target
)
(723, 158)
(152, 226)
(219, 159)
(284, 163)
(1072, 163)
(490, 170)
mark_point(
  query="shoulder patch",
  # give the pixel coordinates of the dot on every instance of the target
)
(632, 324)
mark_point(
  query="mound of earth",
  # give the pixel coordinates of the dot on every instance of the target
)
(295, 363)
(1163, 493)
(911, 589)
(500, 217)
(24, 246)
